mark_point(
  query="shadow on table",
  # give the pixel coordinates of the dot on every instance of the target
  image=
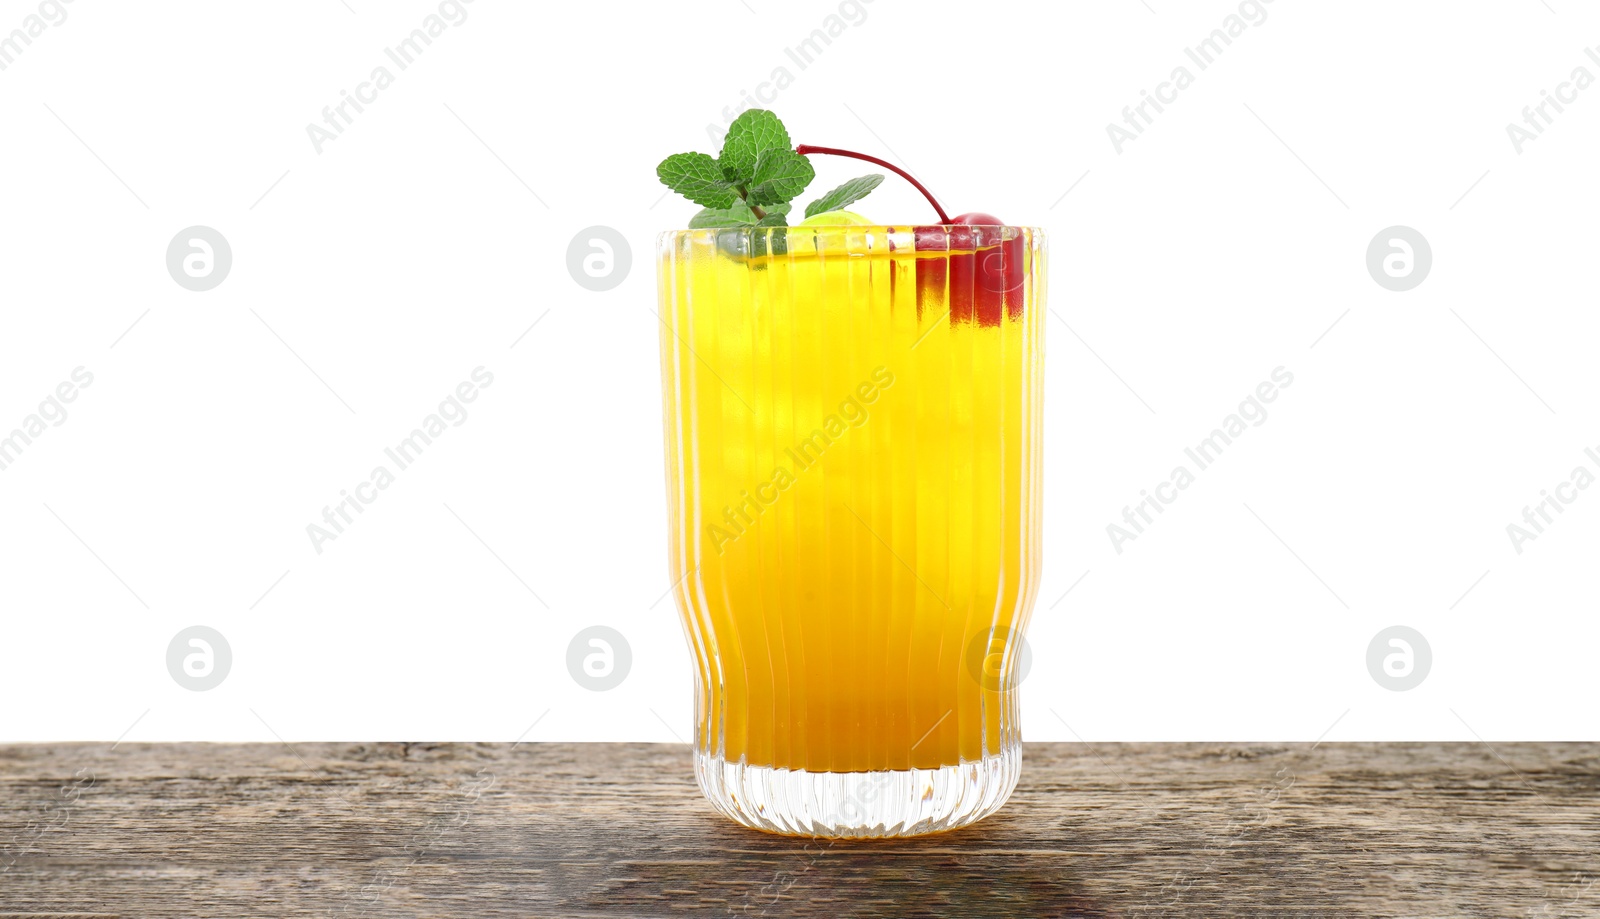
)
(995, 868)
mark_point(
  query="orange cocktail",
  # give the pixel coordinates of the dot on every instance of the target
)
(852, 428)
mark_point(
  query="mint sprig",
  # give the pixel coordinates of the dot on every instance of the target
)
(755, 179)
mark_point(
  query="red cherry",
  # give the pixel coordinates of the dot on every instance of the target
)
(984, 271)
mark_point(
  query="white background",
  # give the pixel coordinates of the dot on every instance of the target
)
(410, 251)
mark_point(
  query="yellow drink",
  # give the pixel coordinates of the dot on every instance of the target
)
(852, 421)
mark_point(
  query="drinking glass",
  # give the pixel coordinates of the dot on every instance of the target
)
(852, 419)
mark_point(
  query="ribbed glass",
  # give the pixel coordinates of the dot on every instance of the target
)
(852, 425)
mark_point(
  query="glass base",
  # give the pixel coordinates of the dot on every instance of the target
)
(859, 805)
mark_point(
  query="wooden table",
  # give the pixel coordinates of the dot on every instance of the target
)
(583, 830)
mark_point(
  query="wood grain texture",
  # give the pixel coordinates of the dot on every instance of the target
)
(588, 830)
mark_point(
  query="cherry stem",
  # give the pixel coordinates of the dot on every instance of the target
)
(807, 149)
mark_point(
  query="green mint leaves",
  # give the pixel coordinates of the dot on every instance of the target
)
(740, 215)
(844, 196)
(755, 179)
(750, 135)
(780, 174)
(757, 172)
(697, 177)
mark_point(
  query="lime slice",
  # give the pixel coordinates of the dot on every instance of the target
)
(836, 219)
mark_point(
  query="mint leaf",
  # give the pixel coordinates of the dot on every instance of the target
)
(751, 134)
(777, 215)
(740, 215)
(697, 177)
(844, 196)
(780, 174)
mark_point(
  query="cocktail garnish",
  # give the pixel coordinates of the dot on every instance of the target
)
(755, 179)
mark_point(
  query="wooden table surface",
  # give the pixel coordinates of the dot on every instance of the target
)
(584, 830)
